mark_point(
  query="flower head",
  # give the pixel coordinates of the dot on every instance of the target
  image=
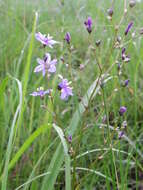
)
(128, 28)
(132, 3)
(46, 65)
(122, 110)
(121, 134)
(68, 37)
(110, 12)
(45, 40)
(125, 58)
(65, 89)
(126, 82)
(70, 138)
(88, 24)
(40, 92)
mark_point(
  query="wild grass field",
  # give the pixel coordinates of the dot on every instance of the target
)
(83, 133)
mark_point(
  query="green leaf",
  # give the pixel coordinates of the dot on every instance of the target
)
(27, 69)
(49, 181)
(26, 145)
(67, 157)
(2, 105)
(54, 168)
(9, 146)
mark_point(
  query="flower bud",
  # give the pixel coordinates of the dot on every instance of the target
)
(110, 12)
(98, 42)
(132, 3)
(67, 38)
(122, 110)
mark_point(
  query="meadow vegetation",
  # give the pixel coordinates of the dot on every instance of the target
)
(83, 133)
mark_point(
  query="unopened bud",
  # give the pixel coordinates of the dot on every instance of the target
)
(132, 3)
(110, 12)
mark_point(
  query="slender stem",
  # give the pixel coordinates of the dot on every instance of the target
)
(107, 118)
(109, 135)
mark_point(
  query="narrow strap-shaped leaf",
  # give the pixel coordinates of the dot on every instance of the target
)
(9, 146)
(54, 168)
(67, 157)
(27, 69)
(26, 145)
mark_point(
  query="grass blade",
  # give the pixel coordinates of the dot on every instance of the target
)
(49, 181)
(27, 68)
(67, 157)
(9, 146)
(26, 145)
(54, 168)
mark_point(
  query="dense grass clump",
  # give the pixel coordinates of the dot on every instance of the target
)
(71, 106)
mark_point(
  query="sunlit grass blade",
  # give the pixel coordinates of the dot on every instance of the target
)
(38, 163)
(9, 146)
(67, 157)
(95, 172)
(3, 86)
(33, 179)
(26, 145)
(91, 93)
(27, 68)
(2, 89)
(49, 181)
(54, 168)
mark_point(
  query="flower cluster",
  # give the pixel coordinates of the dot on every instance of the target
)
(124, 58)
(48, 66)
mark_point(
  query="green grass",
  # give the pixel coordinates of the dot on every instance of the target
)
(34, 151)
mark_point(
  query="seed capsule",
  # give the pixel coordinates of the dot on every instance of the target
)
(110, 12)
(98, 42)
(132, 3)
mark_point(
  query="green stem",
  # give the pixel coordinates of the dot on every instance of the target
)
(109, 135)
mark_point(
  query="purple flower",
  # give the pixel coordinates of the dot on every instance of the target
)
(65, 89)
(132, 3)
(122, 110)
(125, 58)
(128, 28)
(126, 82)
(120, 135)
(45, 40)
(40, 92)
(68, 37)
(123, 50)
(123, 53)
(70, 138)
(46, 65)
(110, 12)
(88, 24)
